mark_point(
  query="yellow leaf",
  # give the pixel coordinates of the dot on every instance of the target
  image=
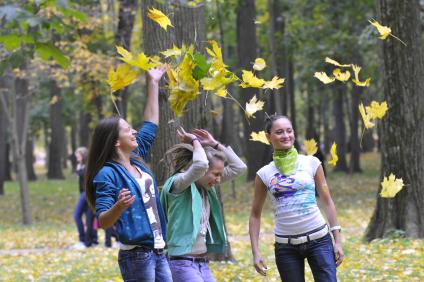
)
(222, 92)
(356, 69)
(259, 65)
(141, 61)
(216, 54)
(259, 136)
(391, 186)
(253, 106)
(333, 153)
(366, 118)
(159, 17)
(126, 55)
(275, 83)
(341, 76)
(250, 80)
(54, 100)
(376, 110)
(323, 77)
(213, 113)
(122, 77)
(218, 80)
(383, 30)
(175, 51)
(334, 62)
(182, 85)
(310, 146)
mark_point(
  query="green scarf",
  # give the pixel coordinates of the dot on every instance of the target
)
(285, 160)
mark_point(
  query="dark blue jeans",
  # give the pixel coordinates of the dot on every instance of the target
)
(290, 260)
(86, 234)
(143, 265)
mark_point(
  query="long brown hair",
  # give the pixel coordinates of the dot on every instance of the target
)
(102, 149)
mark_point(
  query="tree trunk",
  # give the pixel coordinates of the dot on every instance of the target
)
(402, 139)
(310, 124)
(84, 130)
(30, 159)
(355, 150)
(126, 17)
(57, 135)
(3, 134)
(281, 54)
(257, 154)
(74, 146)
(340, 129)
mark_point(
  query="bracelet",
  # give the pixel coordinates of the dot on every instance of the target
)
(337, 227)
(194, 139)
(216, 146)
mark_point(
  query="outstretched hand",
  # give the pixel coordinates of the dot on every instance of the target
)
(185, 137)
(205, 138)
(155, 74)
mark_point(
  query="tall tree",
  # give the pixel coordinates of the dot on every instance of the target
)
(3, 135)
(340, 127)
(402, 140)
(247, 52)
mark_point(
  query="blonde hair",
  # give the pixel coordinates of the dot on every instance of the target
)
(83, 151)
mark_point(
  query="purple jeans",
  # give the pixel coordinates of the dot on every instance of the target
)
(190, 271)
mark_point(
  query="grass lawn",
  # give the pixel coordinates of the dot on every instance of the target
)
(42, 252)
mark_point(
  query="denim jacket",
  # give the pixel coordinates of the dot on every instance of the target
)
(133, 226)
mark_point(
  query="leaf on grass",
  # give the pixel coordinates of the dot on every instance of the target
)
(310, 146)
(333, 153)
(253, 106)
(259, 65)
(391, 186)
(259, 136)
(159, 17)
(323, 77)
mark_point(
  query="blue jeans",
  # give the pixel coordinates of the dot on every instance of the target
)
(190, 271)
(143, 265)
(86, 234)
(290, 260)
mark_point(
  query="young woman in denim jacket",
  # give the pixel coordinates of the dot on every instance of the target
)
(123, 190)
(301, 231)
(195, 223)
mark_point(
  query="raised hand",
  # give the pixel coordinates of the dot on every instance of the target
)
(205, 138)
(155, 74)
(125, 199)
(185, 137)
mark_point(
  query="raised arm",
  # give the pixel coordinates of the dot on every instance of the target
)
(151, 111)
(330, 211)
(255, 225)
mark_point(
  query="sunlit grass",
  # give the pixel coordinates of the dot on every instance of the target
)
(47, 255)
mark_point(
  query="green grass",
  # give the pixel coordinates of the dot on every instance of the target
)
(48, 257)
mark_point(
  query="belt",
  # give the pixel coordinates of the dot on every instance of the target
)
(148, 249)
(193, 259)
(303, 238)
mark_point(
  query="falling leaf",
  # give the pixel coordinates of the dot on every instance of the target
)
(275, 83)
(323, 77)
(250, 80)
(174, 51)
(310, 146)
(365, 117)
(122, 77)
(141, 61)
(391, 186)
(377, 110)
(334, 62)
(222, 92)
(253, 106)
(340, 75)
(356, 69)
(218, 80)
(259, 65)
(213, 113)
(259, 136)
(333, 153)
(54, 100)
(216, 54)
(384, 31)
(159, 17)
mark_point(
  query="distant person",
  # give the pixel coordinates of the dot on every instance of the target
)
(124, 192)
(195, 221)
(86, 233)
(301, 231)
